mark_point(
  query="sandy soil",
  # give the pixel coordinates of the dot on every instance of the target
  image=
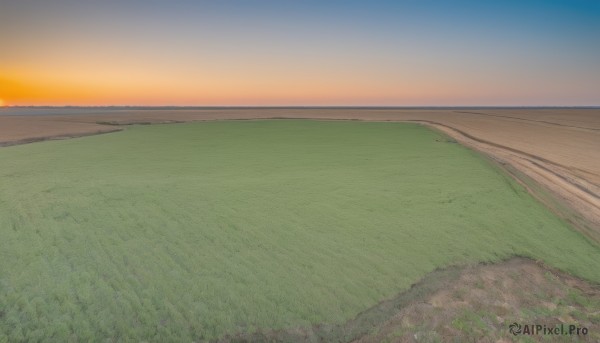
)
(558, 148)
(481, 303)
(20, 130)
(475, 303)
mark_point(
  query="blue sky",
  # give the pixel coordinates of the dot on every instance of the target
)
(300, 52)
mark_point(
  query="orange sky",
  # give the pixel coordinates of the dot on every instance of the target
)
(287, 53)
(262, 84)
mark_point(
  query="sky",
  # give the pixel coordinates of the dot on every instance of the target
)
(300, 53)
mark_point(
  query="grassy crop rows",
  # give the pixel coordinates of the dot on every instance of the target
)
(192, 231)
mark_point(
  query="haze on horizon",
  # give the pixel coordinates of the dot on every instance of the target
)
(320, 53)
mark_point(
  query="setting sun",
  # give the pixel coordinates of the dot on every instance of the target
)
(2, 103)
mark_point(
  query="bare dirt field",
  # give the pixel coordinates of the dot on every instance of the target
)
(20, 130)
(481, 302)
(555, 153)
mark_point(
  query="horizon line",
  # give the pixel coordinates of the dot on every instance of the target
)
(291, 106)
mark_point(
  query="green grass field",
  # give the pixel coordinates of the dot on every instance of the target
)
(191, 231)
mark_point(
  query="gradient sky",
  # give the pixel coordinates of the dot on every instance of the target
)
(405, 53)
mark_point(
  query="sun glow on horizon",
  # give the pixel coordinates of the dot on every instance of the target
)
(265, 54)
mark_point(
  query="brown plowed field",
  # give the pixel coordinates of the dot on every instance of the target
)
(557, 148)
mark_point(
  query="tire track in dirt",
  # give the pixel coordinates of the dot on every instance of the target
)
(483, 141)
(529, 120)
(577, 193)
(55, 137)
